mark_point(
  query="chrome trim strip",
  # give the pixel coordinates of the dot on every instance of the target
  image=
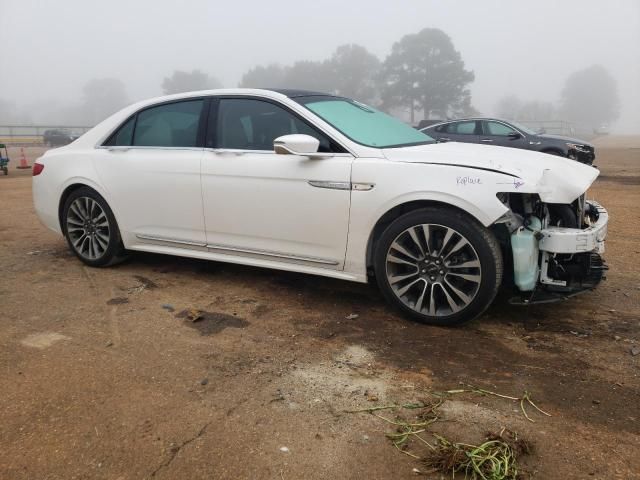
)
(330, 184)
(226, 248)
(170, 240)
(124, 148)
(267, 253)
(266, 152)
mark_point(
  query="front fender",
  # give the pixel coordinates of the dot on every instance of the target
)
(471, 190)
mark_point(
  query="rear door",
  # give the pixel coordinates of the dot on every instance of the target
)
(151, 169)
(466, 131)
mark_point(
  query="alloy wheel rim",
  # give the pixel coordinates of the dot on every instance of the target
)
(433, 269)
(88, 228)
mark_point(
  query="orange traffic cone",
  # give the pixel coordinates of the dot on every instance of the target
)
(23, 160)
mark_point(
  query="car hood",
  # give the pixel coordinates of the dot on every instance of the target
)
(563, 139)
(555, 179)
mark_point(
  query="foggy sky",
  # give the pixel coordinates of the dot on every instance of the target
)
(50, 49)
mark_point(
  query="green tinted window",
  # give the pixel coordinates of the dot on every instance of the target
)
(249, 124)
(122, 137)
(170, 125)
(364, 124)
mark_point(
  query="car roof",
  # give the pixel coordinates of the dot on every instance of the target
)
(293, 93)
(274, 93)
(465, 119)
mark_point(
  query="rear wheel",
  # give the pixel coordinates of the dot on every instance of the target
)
(91, 229)
(438, 266)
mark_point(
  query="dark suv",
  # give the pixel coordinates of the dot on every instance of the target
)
(491, 131)
(58, 137)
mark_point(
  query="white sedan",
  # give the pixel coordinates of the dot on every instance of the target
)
(325, 185)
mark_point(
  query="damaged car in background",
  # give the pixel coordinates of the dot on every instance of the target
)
(324, 185)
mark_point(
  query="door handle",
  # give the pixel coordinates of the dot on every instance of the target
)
(487, 140)
(443, 139)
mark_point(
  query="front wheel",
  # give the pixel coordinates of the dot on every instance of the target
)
(438, 265)
(91, 229)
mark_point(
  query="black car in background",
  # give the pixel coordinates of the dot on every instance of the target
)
(58, 137)
(492, 131)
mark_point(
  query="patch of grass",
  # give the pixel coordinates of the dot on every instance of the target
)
(406, 430)
(495, 459)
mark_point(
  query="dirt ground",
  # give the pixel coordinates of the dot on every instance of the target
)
(100, 378)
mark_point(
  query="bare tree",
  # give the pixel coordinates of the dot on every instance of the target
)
(270, 76)
(512, 108)
(353, 72)
(180, 81)
(101, 98)
(590, 97)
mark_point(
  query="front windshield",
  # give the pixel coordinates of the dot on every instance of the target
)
(521, 127)
(364, 124)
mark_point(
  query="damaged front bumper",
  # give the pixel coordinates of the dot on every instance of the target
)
(576, 240)
(569, 259)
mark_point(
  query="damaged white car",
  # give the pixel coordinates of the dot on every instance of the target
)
(324, 185)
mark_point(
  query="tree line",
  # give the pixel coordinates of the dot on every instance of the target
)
(423, 76)
(589, 98)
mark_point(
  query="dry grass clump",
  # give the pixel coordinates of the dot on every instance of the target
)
(495, 459)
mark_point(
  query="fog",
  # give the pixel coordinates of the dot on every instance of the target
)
(50, 50)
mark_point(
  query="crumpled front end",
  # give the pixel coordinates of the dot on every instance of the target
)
(556, 249)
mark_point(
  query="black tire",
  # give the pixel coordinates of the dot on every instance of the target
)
(562, 215)
(107, 252)
(483, 249)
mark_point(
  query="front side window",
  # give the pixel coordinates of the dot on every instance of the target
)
(362, 124)
(249, 124)
(499, 129)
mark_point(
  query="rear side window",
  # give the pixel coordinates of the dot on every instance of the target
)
(123, 136)
(461, 128)
(170, 125)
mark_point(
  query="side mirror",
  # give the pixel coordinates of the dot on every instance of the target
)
(514, 135)
(297, 144)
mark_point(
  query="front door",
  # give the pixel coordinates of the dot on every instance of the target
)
(271, 206)
(501, 134)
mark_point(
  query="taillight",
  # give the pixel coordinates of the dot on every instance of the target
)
(37, 169)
